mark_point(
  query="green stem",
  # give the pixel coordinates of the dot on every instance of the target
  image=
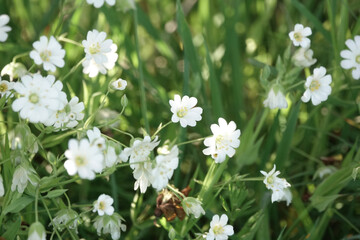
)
(64, 39)
(160, 128)
(141, 80)
(346, 220)
(295, 85)
(51, 219)
(114, 191)
(72, 70)
(178, 194)
(20, 55)
(191, 141)
(36, 204)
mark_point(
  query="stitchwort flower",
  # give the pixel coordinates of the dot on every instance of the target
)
(100, 53)
(352, 57)
(4, 29)
(219, 230)
(39, 97)
(303, 57)
(317, 87)
(83, 158)
(192, 206)
(49, 53)
(299, 36)
(5, 88)
(279, 186)
(119, 84)
(275, 99)
(37, 232)
(224, 141)
(184, 110)
(110, 224)
(103, 205)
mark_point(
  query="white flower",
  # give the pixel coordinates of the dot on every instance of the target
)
(279, 195)
(83, 158)
(100, 53)
(192, 206)
(66, 218)
(49, 53)
(219, 230)
(303, 57)
(164, 169)
(324, 171)
(110, 224)
(104, 205)
(223, 142)
(110, 156)
(67, 117)
(317, 87)
(139, 156)
(39, 98)
(99, 3)
(184, 110)
(140, 151)
(4, 19)
(275, 100)
(352, 57)
(277, 185)
(14, 70)
(2, 190)
(96, 139)
(299, 36)
(119, 84)
(37, 232)
(22, 175)
(5, 88)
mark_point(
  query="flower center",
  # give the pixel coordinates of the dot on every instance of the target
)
(3, 87)
(182, 112)
(218, 229)
(34, 98)
(219, 141)
(80, 161)
(94, 48)
(315, 85)
(270, 180)
(119, 85)
(357, 59)
(298, 37)
(45, 55)
(101, 205)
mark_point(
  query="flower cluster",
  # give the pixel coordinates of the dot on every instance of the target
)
(278, 186)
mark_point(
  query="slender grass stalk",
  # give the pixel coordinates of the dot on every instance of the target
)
(141, 74)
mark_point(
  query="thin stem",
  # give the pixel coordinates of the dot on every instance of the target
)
(160, 128)
(114, 191)
(20, 56)
(295, 85)
(179, 194)
(346, 220)
(73, 69)
(36, 204)
(51, 219)
(191, 141)
(141, 80)
(64, 39)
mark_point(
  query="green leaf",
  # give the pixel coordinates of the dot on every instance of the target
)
(12, 229)
(250, 228)
(18, 204)
(284, 146)
(55, 193)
